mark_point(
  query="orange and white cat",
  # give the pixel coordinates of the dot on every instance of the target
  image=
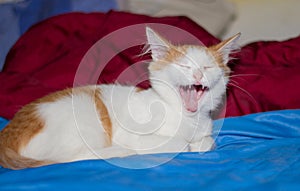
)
(104, 121)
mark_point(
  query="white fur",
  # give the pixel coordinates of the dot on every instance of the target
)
(69, 123)
(150, 121)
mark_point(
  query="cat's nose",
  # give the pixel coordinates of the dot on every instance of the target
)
(197, 75)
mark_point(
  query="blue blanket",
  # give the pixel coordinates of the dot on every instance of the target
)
(255, 152)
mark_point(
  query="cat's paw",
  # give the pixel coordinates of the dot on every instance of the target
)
(205, 144)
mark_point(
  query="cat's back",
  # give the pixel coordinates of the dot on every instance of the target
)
(128, 105)
(59, 123)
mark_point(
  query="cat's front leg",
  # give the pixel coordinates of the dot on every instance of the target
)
(163, 144)
(115, 151)
(205, 144)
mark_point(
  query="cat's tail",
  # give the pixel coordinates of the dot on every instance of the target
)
(13, 160)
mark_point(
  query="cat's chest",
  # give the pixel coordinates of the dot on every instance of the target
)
(136, 114)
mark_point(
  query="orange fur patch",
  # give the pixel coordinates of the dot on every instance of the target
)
(104, 116)
(213, 51)
(94, 93)
(27, 123)
(22, 128)
(138, 89)
(173, 54)
(216, 52)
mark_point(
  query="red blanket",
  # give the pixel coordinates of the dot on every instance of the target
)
(47, 57)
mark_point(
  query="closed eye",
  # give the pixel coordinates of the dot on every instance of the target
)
(184, 66)
(207, 67)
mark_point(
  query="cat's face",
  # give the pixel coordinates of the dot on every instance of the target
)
(196, 73)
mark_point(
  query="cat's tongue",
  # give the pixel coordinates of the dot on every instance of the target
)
(190, 97)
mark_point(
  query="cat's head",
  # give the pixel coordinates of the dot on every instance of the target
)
(196, 74)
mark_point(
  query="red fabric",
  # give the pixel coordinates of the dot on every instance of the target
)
(47, 57)
(267, 76)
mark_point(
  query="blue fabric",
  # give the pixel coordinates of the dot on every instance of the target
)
(255, 152)
(9, 30)
(3, 123)
(17, 17)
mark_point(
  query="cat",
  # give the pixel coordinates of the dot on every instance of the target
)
(111, 120)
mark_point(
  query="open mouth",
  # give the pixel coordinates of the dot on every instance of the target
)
(190, 95)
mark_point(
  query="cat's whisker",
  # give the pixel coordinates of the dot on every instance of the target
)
(233, 81)
(243, 90)
(238, 75)
(242, 75)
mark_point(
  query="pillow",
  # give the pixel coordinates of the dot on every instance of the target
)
(265, 77)
(214, 16)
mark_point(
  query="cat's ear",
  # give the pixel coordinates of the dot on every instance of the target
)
(157, 44)
(224, 48)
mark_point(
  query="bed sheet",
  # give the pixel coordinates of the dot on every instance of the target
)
(254, 152)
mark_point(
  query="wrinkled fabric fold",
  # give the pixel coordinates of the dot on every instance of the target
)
(258, 151)
(263, 75)
(50, 53)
